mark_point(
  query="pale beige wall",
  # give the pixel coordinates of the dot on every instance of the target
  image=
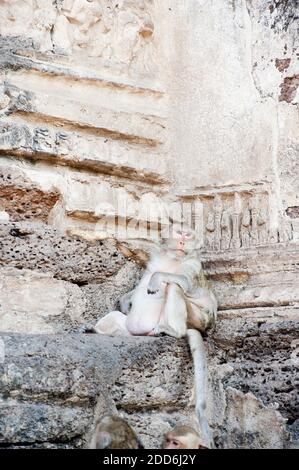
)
(135, 100)
(223, 122)
(231, 75)
(219, 126)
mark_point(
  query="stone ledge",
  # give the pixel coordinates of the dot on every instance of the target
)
(148, 380)
(69, 379)
(88, 363)
(35, 61)
(136, 127)
(78, 149)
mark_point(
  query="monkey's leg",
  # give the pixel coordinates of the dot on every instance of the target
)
(114, 323)
(173, 320)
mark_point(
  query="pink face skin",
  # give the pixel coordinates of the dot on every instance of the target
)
(178, 240)
(188, 440)
(181, 243)
(172, 444)
(183, 238)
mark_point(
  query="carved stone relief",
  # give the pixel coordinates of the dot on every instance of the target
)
(236, 220)
(119, 32)
(245, 227)
(210, 231)
(225, 230)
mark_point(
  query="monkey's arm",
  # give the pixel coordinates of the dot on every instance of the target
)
(186, 279)
(125, 302)
(158, 277)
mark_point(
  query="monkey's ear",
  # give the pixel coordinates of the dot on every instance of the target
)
(103, 440)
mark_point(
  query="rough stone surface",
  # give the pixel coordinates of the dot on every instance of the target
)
(264, 357)
(34, 423)
(23, 201)
(33, 302)
(253, 373)
(255, 278)
(39, 247)
(244, 415)
(65, 378)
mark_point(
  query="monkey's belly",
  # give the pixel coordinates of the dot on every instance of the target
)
(145, 313)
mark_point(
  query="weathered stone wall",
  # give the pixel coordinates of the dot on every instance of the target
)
(180, 101)
(51, 284)
(107, 109)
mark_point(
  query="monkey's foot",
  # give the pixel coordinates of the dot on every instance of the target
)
(85, 329)
(157, 331)
(151, 333)
(153, 285)
(151, 292)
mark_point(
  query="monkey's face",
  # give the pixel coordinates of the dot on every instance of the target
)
(183, 437)
(172, 442)
(179, 239)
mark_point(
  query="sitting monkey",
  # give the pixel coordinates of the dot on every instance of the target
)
(172, 297)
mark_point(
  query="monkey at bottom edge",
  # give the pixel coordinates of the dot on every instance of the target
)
(113, 432)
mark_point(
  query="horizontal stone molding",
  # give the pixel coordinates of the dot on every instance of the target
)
(91, 153)
(59, 109)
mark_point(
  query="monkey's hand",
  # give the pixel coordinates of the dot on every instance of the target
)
(154, 284)
(157, 331)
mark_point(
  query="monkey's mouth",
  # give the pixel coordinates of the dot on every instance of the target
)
(180, 251)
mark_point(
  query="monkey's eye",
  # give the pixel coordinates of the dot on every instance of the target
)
(173, 442)
(179, 232)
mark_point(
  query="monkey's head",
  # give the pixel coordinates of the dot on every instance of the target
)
(113, 432)
(183, 437)
(180, 239)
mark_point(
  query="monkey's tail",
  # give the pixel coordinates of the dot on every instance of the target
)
(199, 357)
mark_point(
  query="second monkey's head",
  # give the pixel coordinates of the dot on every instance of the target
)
(183, 437)
(179, 239)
